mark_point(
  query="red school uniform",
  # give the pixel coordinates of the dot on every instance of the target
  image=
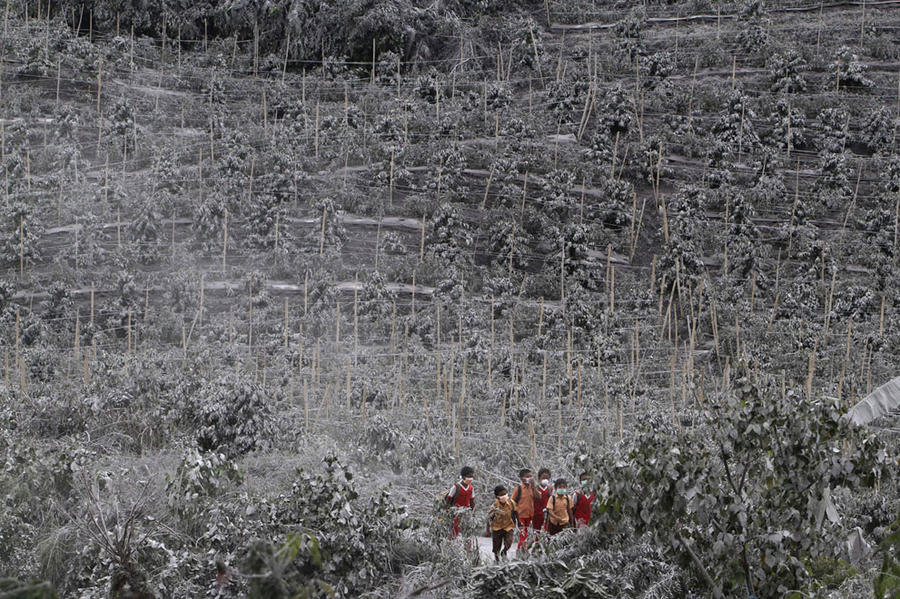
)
(460, 497)
(584, 503)
(540, 504)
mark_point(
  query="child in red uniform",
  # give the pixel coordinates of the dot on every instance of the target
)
(544, 490)
(584, 501)
(525, 497)
(461, 497)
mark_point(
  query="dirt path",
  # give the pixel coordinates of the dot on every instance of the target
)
(485, 547)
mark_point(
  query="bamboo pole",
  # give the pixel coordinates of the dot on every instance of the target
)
(391, 183)
(413, 303)
(491, 353)
(287, 49)
(355, 317)
(337, 322)
(286, 316)
(225, 242)
(541, 319)
(487, 187)
(422, 242)
(316, 136)
(349, 379)
(559, 420)
(810, 371)
(544, 380)
(21, 246)
(846, 359)
(318, 362)
(404, 367)
(438, 361)
(322, 233)
(17, 355)
(305, 294)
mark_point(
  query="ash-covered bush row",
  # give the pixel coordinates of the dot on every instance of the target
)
(314, 29)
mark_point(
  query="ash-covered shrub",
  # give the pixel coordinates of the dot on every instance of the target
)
(347, 543)
(233, 416)
(585, 567)
(786, 71)
(850, 72)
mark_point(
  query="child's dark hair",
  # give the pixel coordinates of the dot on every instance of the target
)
(584, 475)
(544, 471)
(499, 490)
(467, 471)
(524, 471)
(561, 482)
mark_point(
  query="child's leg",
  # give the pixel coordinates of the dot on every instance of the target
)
(497, 539)
(507, 541)
(525, 522)
(454, 529)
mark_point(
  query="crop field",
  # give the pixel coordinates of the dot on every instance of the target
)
(274, 272)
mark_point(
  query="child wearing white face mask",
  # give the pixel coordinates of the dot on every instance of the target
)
(544, 490)
(503, 519)
(559, 509)
(460, 497)
(525, 497)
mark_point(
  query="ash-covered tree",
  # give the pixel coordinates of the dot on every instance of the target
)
(834, 185)
(450, 236)
(877, 226)
(121, 127)
(735, 126)
(833, 129)
(20, 235)
(347, 545)
(377, 303)
(682, 257)
(233, 415)
(849, 71)
(208, 223)
(744, 497)
(564, 98)
(786, 71)
(788, 126)
(572, 251)
(58, 305)
(146, 227)
(629, 33)
(767, 189)
(655, 68)
(509, 245)
(878, 130)
(554, 195)
(329, 234)
(742, 238)
(753, 36)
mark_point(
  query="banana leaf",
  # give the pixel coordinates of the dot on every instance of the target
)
(876, 404)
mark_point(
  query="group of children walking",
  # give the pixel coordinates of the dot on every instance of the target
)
(536, 506)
